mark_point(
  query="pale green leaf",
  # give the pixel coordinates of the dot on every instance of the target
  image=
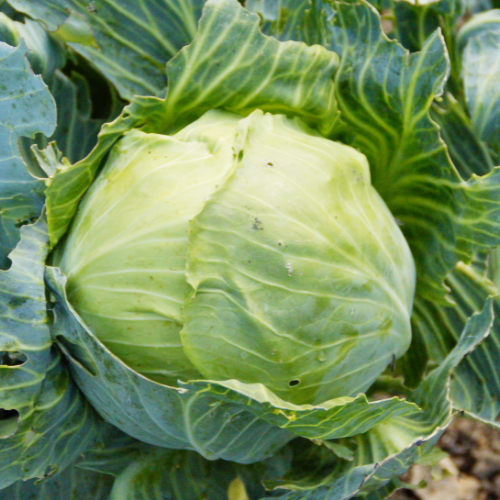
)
(204, 416)
(154, 413)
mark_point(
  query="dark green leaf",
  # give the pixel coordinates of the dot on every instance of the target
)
(44, 421)
(385, 95)
(301, 20)
(26, 108)
(128, 41)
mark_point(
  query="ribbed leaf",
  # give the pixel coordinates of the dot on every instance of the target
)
(22, 296)
(174, 474)
(26, 108)
(416, 21)
(468, 153)
(76, 132)
(119, 468)
(145, 471)
(475, 387)
(299, 20)
(44, 422)
(442, 217)
(285, 77)
(334, 419)
(128, 41)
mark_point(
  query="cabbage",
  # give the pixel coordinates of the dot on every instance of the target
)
(242, 248)
(248, 250)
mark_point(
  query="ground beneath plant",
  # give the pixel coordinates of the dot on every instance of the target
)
(470, 472)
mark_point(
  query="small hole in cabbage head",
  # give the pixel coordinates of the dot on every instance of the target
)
(294, 383)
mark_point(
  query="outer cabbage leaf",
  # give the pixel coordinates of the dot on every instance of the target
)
(443, 217)
(189, 477)
(414, 22)
(299, 20)
(475, 387)
(280, 77)
(27, 108)
(45, 423)
(76, 132)
(469, 154)
(135, 466)
(128, 41)
(44, 54)
(473, 392)
(118, 468)
(72, 484)
(479, 25)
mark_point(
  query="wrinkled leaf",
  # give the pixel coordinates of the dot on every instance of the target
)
(26, 108)
(44, 421)
(128, 41)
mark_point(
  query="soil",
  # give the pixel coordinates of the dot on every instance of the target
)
(470, 472)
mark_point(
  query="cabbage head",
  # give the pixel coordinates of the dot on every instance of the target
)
(246, 248)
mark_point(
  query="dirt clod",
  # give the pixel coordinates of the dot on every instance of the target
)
(472, 471)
